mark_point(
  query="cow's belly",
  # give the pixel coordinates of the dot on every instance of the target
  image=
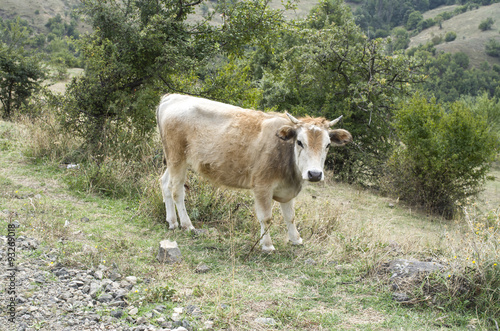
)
(229, 176)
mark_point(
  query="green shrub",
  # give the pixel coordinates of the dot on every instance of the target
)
(486, 24)
(444, 155)
(493, 48)
(450, 36)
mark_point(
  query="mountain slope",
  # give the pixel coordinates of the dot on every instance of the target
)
(470, 39)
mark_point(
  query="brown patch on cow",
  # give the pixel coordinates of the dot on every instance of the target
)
(318, 121)
(315, 138)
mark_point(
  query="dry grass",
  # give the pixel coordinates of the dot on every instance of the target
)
(47, 9)
(347, 231)
(470, 39)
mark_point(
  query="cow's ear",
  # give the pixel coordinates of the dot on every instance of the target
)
(340, 137)
(286, 132)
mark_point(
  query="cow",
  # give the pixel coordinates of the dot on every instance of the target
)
(271, 154)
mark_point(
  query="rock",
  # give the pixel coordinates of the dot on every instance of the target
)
(406, 268)
(94, 288)
(114, 276)
(391, 205)
(141, 320)
(98, 274)
(208, 325)
(84, 219)
(202, 268)
(193, 310)
(168, 252)
(105, 298)
(131, 279)
(117, 313)
(160, 308)
(29, 244)
(400, 296)
(265, 320)
(133, 311)
(176, 317)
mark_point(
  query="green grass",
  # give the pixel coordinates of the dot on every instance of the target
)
(347, 231)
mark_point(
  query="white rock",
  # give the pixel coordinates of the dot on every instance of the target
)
(168, 252)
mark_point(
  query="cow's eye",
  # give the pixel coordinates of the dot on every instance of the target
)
(328, 146)
(300, 143)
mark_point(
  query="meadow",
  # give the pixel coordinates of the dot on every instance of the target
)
(337, 280)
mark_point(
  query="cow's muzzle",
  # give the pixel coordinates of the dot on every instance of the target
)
(314, 176)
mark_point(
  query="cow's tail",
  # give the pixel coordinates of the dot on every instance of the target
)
(159, 127)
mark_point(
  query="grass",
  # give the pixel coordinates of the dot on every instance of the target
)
(333, 281)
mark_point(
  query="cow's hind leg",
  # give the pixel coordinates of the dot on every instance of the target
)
(263, 209)
(169, 202)
(177, 177)
(289, 216)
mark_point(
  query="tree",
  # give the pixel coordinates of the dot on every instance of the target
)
(336, 71)
(413, 20)
(21, 73)
(141, 49)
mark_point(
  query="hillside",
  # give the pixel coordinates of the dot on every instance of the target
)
(37, 12)
(470, 39)
(77, 251)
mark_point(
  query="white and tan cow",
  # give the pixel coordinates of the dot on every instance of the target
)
(268, 153)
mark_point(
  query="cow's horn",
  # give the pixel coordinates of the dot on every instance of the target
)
(293, 119)
(335, 121)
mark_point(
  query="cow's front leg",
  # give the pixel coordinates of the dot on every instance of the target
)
(289, 216)
(263, 209)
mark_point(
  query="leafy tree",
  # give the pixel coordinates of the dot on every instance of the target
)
(21, 72)
(400, 39)
(140, 49)
(414, 19)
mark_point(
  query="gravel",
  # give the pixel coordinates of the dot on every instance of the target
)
(55, 297)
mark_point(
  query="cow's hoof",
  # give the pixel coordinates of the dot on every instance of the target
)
(172, 226)
(188, 227)
(268, 249)
(296, 242)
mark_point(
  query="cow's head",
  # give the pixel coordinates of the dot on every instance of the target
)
(312, 138)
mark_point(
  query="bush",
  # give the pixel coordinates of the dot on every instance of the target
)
(436, 40)
(486, 24)
(444, 155)
(493, 48)
(450, 36)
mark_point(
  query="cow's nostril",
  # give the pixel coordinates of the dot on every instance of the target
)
(314, 176)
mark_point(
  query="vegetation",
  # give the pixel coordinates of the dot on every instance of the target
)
(486, 24)
(21, 71)
(445, 154)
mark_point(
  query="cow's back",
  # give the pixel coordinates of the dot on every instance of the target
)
(225, 143)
